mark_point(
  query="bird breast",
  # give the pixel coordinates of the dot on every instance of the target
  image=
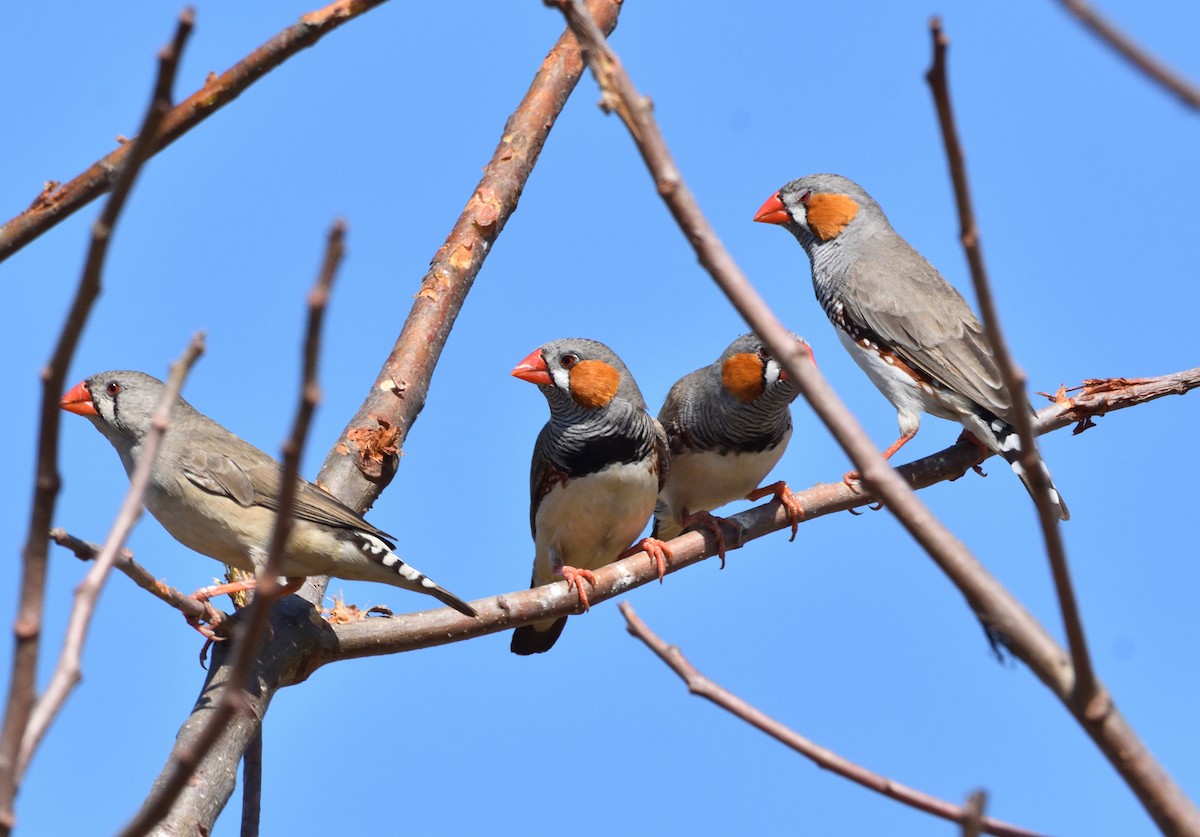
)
(586, 522)
(704, 480)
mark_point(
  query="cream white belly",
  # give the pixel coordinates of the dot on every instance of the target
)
(589, 521)
(705, 480)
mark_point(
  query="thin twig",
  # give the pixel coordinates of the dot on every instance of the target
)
(185, 604)
(826, 759)
(62, 201)
(1174, 83)
(70, 663)
(248, 633)
(1086, 687)
(27, 628)
(995, 607)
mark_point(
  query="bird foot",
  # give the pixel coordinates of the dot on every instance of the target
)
(712, 523)
(572, 576)
(658, 551)
(786, 498)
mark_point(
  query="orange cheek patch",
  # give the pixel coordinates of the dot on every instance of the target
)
(742, 375)
(829, 214)
(594, 383)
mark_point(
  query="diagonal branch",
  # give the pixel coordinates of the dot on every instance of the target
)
(365, 457)
(1085, 688)
(61, 201)
(139, 575)
(249, 631)
(1174, 83)
(28, 623)
(995, 607)
(826, 759)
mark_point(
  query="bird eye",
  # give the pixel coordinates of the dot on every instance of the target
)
(807, 194)
(112, 388)
(568, 360)
(764, 353)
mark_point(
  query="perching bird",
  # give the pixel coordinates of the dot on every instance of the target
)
(217, 494)
(727, 425)
(907, 327)
(598, 465)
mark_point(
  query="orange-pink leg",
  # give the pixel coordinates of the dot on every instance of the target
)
(205, 593)
(786, 498)
(572, 575)
(658, 551)
(886, 453)
(710, 522)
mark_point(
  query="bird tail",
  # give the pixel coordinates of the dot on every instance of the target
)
(1009, 447)
(410, 578)
(537, 638)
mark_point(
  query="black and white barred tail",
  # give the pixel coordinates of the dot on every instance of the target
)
(1009, 447)
(411, 578)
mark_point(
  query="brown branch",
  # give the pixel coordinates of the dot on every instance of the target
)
(70, 664)
(1086, 688)
(28, 624)
(251, 627)
(357, 468)
(1174, 83)
(824, 758)
(995, 607)
(412, 631)
(61, 202)
(185, 604)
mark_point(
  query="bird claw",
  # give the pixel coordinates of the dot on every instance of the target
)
(658, 551)
(572, 575)
(713, 524)
(786, 498)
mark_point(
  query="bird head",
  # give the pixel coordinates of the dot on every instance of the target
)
(817, 209)
(580, 372)
(119, 403)
(749, 370)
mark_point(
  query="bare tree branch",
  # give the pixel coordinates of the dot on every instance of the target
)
(826, 759)
(28, 624)
(1086, 688)
(185, 604)
(70, 664)
(60, 201)
(359, 467)
(1174, 83)
(994, 606)
(248, 633)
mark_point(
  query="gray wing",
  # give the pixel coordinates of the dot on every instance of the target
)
(663, 448)
(929, 324)
(250, 477)
(543, 476)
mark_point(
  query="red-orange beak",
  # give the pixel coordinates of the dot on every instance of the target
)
(79, 401)
(533, 369)
(773, 211)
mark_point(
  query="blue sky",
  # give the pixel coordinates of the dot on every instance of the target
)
(1084, 179)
